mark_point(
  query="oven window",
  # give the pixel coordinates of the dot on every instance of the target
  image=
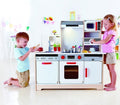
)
(71, 72)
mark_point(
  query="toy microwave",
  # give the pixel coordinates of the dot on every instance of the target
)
(92, 25)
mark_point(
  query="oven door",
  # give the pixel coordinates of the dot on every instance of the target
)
(71, 71)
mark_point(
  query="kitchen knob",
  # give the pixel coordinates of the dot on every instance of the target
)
(79, 57)
(62, 57)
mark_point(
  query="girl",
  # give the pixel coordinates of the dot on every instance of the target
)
(108, 47)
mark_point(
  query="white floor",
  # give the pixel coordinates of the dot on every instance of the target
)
(10, 95)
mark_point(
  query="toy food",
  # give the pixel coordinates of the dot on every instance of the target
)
(84, 51)
(40, 49)
(89, 51)
(36, 46)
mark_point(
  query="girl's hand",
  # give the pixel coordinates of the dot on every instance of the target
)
(92, 41)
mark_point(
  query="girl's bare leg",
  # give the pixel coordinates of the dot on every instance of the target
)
(113, 78)
(107, 85)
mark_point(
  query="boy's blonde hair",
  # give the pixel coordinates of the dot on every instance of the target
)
(112, 19)
(22, 35)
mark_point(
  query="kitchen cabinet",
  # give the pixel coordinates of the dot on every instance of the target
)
(93, 72)
(46, 72)
(53, 73)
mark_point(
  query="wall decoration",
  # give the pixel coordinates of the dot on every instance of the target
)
(72, 15)
(3, 24)
(27, 28)
(12, 27)
(13, 37)
(48, 20)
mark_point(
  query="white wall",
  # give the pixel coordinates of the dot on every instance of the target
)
(59, 10)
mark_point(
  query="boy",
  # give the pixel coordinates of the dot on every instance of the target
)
(21, 55)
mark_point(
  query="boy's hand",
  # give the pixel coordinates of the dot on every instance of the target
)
(31, 49)
(35, 48)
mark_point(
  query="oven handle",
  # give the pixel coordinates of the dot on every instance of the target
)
(86, 72)
(46, 63)
(71, 63)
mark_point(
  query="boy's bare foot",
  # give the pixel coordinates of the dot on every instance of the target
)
(110, 88)
(107, 85)
(8, 82)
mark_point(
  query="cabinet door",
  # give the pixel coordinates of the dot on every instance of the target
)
(93, 72)
(47, 72)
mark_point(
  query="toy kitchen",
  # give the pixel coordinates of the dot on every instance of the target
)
(79, 64)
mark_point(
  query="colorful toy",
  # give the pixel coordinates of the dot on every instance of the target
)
(117, 42)
(48, 20)
(54, 32)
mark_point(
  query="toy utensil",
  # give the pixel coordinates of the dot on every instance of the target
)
(90, 40)
(36, 46)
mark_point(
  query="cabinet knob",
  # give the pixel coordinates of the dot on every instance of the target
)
(79, 57)
(62, 57)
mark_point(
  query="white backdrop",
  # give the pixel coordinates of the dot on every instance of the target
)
(31, 13)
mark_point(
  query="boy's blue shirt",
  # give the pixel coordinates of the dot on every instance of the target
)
(21, 65)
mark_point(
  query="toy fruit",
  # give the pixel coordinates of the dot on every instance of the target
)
(84, 51)
(89, 51)
(40, 49)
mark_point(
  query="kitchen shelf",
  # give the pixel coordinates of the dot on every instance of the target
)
(57, 35)
(91, 44)
(93, 31)
(92, 35)
(91, 38)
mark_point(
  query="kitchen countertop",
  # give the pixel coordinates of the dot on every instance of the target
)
(65, 53)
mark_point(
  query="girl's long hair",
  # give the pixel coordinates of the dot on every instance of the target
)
(112, 19)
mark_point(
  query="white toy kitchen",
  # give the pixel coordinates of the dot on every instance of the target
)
(73, 67)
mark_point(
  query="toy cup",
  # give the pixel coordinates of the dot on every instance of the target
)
(58, 48)
(55, 48)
